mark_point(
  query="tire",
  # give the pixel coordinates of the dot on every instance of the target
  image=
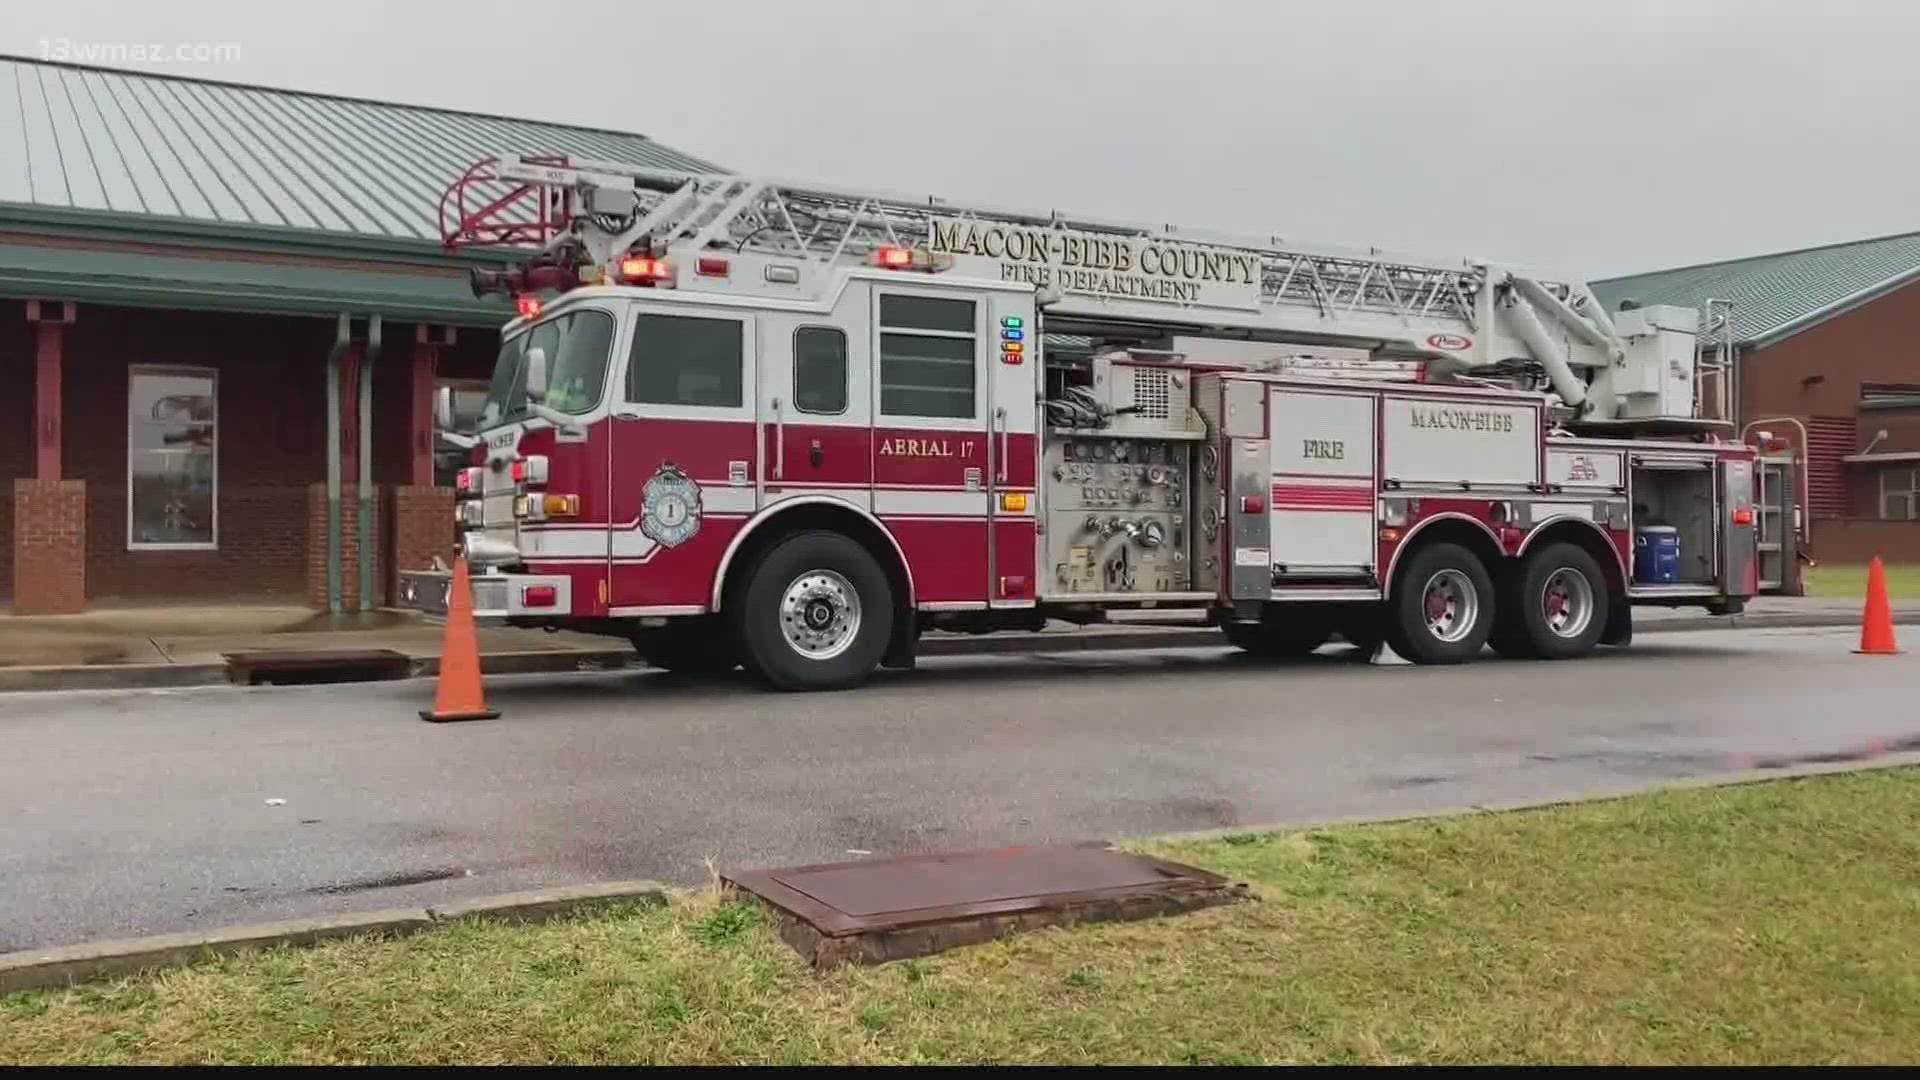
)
(1560, 604)
(1451, 576)
(700, 648)
(816, 613)
(1277, 641)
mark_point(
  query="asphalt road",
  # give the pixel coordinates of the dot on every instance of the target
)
(153, 811)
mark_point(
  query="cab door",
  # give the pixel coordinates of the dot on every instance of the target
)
(686, 456)
(816, 404)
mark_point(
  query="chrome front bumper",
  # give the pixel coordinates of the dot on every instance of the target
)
(496, 597)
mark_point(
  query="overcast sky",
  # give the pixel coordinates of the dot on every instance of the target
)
(1596, 137)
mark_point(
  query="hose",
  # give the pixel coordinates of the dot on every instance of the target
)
(1078, 408)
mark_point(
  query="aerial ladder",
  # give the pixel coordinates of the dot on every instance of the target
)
(1461, 321)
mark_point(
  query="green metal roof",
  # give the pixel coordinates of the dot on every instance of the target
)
(178, 278)
(162, 147)
(1777, 295)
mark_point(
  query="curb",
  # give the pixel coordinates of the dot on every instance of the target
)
(40, 969)
(554, 661)
(1737, 778)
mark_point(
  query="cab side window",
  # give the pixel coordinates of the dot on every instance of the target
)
(683, 360)
(820, 370)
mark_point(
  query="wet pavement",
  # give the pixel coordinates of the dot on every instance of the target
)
(159, 810)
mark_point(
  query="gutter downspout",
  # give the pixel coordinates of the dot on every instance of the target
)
(343, 338)
(367, 561)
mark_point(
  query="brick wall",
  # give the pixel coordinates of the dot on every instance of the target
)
(1856, 540)
(316, 553)
(48, 545)
(421, 526)
(1818, 371)
(271, 444)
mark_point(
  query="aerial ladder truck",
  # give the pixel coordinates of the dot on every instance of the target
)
(749, 423)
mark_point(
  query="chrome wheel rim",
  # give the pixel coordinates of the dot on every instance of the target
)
(1451, 605)
(820, 614)
(1566, 602)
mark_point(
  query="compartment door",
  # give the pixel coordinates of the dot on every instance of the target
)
(1739, 530)
(1774, 511)
(1323, 509)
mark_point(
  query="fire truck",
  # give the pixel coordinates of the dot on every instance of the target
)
(753, 424)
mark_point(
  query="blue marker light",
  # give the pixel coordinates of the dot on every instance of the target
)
(1013, 335)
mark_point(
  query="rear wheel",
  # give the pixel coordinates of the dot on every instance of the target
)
(1442, 608)
(1560, 605)
(816, 613)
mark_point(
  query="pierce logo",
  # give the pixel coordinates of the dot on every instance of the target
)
(1449, 342)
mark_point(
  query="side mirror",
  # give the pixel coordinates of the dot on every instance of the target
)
(536, 374)
(443, 409)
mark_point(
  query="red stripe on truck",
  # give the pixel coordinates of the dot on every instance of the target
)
(1323, 497)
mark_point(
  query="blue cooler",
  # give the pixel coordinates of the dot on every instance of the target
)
(1656, 555)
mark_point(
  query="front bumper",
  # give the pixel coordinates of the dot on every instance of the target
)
(496, 597)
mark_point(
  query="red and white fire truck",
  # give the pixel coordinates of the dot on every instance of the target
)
(742, 422)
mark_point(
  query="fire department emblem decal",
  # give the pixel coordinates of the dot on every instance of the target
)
(670, 507)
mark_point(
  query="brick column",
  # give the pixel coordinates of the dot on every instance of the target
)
(49, 514)
(422, 528)
(428, 341)
(349, 547)
(49, 547)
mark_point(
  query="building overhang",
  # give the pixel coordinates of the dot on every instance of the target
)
(75, 256)
(1892, 457)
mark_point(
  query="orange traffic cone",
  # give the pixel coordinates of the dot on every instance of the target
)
(458, 695)
(1876, 625)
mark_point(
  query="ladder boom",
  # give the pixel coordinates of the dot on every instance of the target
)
(1457, 315)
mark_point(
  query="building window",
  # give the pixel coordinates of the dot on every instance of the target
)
(1899, 494)
(172, 451)
(469, 401)
(927, 357)
(677, 360)
(820, 370)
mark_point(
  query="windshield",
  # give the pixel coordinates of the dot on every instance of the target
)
(578, 345)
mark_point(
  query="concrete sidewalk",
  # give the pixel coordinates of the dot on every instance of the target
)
(187, 646)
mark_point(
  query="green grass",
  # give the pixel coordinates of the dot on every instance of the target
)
(1758, 924)
(1849, 581)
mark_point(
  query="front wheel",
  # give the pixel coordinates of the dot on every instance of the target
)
(1442, 607)
(816, 613)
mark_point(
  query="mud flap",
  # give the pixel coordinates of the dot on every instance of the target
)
(902, 651)
(1619, 631)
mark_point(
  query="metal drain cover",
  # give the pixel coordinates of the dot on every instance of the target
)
(876, 910)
